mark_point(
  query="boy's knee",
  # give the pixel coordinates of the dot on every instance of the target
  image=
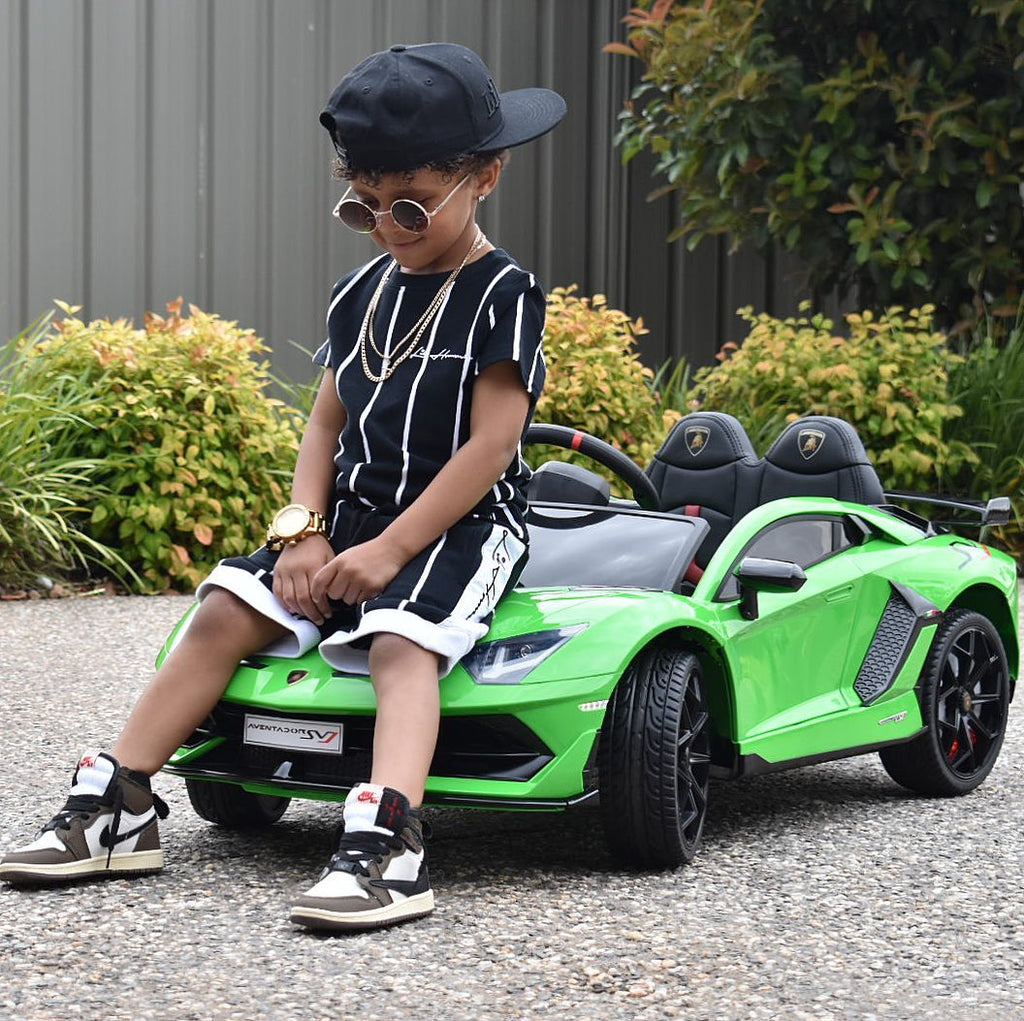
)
(222, 617)
(388, 649)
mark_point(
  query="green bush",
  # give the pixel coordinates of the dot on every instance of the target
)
(46, 485)
(879, 140)
(989, 385)
(888, 377)
(196, 456)
(671, 387)
(596, 381)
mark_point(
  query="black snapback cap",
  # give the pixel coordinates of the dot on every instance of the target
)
(409, 106)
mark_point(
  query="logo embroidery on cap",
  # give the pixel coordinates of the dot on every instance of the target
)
(809, 442)
(492, 98)
(696, 437)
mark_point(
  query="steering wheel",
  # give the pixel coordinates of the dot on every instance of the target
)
(604, 453)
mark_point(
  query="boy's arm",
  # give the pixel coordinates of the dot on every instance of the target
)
(312, 485)
(500, 407)
(313, 481)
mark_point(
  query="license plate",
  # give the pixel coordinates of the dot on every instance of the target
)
(295, 735)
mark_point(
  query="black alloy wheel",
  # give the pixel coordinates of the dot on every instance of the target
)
(654, 760)
(965, 695)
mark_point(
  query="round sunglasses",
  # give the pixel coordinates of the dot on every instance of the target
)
(409, 215)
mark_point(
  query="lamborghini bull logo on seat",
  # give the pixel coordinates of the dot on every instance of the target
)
(696, 437)
(809, 442)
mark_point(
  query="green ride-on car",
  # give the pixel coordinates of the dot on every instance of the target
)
(739, 615)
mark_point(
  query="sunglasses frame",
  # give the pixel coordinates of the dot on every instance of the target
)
(378, 216)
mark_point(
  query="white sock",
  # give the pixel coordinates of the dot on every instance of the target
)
(95, 770)
(361, 807)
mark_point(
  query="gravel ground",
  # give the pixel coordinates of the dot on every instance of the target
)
(823, 893)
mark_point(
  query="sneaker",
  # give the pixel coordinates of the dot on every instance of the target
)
(378, 875)
(108, 827)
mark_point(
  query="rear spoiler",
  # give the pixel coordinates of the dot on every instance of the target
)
(982, 514)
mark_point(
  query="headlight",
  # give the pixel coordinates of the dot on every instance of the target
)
(509, 660)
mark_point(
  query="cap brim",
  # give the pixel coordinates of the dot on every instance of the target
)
(528, 114)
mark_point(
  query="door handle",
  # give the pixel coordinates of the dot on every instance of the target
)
(838, 594)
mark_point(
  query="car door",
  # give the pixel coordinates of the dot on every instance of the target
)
(796, 662)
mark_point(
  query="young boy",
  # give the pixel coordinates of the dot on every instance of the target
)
(406, 524)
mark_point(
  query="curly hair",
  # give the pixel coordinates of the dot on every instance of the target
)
(449, 169)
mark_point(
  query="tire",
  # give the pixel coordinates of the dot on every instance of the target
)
(965, 696)
(227, 804)
(654, 761)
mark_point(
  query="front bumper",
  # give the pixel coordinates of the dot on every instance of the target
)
(520, 746)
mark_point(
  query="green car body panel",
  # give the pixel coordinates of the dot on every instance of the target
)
(783, 689)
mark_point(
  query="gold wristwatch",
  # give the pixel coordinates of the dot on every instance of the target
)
(292, 524)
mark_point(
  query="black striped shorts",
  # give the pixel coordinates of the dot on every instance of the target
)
(442, 600)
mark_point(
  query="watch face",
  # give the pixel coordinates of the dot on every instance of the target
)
(290, 521)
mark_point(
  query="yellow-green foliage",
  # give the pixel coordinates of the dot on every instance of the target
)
(596, 381)
(887, 376)
(196, 454)
(46, 487)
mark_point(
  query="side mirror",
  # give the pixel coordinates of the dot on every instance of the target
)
(756, 574)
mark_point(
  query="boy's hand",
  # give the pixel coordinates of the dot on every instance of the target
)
(294, 572)
(359, 573)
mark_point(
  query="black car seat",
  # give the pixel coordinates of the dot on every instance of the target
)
(706, 468)
(819, 456)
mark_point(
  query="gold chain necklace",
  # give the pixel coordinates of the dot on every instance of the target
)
(390, 360)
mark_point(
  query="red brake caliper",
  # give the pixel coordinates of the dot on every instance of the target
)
(971, 733)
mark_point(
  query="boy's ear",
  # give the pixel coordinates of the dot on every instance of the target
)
(487, 178)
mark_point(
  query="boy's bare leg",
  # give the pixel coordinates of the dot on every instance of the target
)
(408, 712)
(188, 684)
(109, 824)
(378, 874)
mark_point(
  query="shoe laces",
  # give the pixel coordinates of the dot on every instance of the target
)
(81, 806)
(355, 851)
(78, 806)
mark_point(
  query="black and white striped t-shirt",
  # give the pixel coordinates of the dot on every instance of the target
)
(402, 431)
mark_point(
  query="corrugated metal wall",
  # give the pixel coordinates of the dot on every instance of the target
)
(151, 148)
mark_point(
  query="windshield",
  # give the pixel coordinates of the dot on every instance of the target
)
(614, 547)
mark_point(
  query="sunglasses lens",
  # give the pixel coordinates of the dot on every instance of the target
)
(357, 217)
(410, 216)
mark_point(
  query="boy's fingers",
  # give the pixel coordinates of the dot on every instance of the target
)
(307, 606)
(320, 588)
(324, 606)
(320, 601)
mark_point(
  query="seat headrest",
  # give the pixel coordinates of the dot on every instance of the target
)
(706, 439)
(817, 444)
